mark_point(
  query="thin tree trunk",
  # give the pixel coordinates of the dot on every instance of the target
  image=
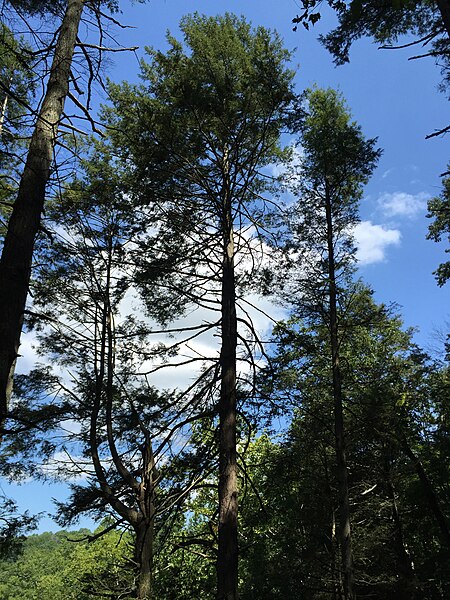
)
(15, 262)
(407, 578)
(336, 579)
(3, 112)
(227, 558)
(430, 495)
(341, 462)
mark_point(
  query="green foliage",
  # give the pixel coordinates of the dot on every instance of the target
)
(385, 21)
(54, 566)
(335, 164)
(336, 152)
(145, 210)
(439, 211)
(388, 389)
(13, 527)
(16, 95)
(210, 111)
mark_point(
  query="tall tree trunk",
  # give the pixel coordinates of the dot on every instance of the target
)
(17, 254)
(227, 558)
(430, 495)
(339, 429)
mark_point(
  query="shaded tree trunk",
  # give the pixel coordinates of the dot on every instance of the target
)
(336, 579)
(430, 495)
(407, 588)
(339, 429)
(146, 527)
(141, 519)
(17, 254)
(227, 558)
(144, 559)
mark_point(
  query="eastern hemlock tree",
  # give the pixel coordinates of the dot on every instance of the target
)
(198, 134)
(25, 218)
(439, 211)
(336, 162)
(17, 88)
(385, 21)
(120, 439)
(386, 383)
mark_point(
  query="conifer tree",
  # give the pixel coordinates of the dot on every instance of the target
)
(197, 136)
(337, 161)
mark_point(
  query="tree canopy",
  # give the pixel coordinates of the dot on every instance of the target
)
(223, 452)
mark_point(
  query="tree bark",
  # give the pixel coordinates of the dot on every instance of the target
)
(144, 559)
(145, 530)
(227, 558)
(339, 428)
(17, 254)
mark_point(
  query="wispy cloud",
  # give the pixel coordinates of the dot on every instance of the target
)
(373, 240)
(387, 173)
(401, 204)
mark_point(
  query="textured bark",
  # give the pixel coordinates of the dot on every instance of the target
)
(227, 558)
(145, 529)
(144, 558)
(339, 429)
(17, 254)
(430, 495)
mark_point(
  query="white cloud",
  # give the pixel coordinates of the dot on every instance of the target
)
(401, 204)
(387, 173)
(372, 241)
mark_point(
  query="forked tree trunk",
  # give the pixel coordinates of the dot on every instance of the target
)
(17, 254)
(227, 558)
(339, 429)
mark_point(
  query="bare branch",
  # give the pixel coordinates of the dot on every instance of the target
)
(105, 49)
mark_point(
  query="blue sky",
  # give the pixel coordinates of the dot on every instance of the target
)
(393, 99)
